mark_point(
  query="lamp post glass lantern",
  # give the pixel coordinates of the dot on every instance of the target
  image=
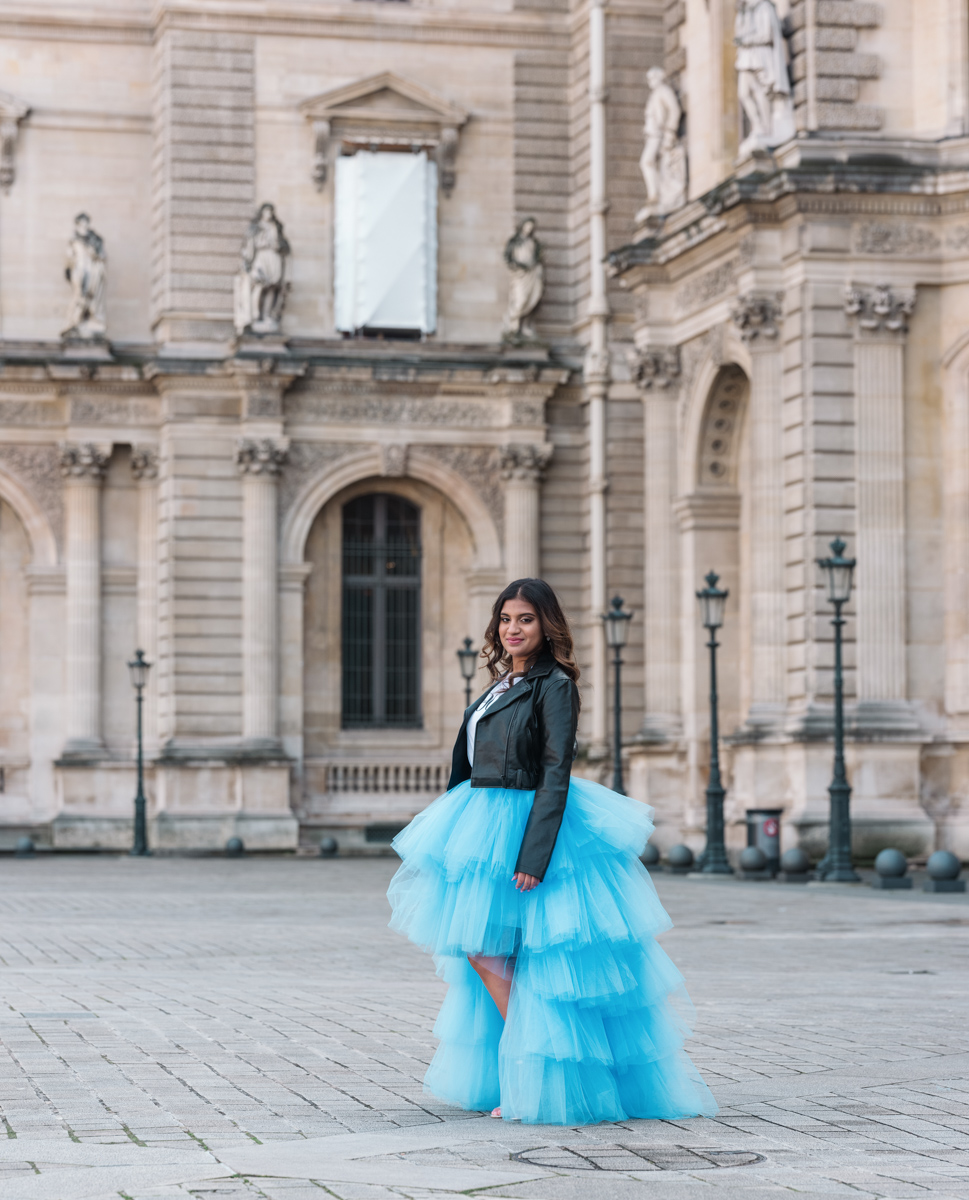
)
(836, 866)
(713, 602)
(138, 668)
(616, 623)
(468, 660)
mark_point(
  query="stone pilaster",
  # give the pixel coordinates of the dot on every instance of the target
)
(758, 319)
(880, 315)
(522, 468)
(260, 462)
(82, 467)
(144, 467)
(657, 371)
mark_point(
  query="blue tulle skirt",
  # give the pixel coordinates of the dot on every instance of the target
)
(598, 1014)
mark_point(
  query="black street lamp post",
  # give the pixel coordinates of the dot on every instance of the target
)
(713, 601)
(836, 866)
(468, 659)
(616, 622)
(139, 669)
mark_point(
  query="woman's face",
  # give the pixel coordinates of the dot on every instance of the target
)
(519, 628)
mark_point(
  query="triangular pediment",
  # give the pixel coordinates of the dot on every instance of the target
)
(384, 97)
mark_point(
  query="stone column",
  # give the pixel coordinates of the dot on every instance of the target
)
(657, 372)
(144, 467)
(758, 318)
(260, 462)
(83, 469)
(880, 314)
(522, 468)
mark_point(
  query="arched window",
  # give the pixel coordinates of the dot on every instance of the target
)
(381, 612)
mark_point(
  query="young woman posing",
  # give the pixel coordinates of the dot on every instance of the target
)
(527, 887)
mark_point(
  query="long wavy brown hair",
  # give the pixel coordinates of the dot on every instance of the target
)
(555, 626)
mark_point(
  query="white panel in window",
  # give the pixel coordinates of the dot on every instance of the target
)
(386, 242)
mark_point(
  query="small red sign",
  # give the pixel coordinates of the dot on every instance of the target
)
(771, 827)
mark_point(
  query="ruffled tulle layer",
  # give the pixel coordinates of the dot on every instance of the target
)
(598, 1014)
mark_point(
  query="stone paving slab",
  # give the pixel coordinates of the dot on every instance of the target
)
(177, 1028)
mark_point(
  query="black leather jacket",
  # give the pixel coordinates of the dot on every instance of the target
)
(526, 740)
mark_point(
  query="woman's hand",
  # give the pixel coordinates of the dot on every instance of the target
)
(525, 883)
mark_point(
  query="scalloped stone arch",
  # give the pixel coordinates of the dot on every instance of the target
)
(333, 478)
(42, 540)
(713, 423)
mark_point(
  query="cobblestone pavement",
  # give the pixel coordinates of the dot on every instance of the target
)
(251, 1029)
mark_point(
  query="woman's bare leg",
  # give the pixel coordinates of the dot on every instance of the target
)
(499, 988)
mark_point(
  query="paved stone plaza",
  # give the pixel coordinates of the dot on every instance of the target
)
(250, 1028)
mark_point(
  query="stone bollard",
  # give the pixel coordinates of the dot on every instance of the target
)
(891, 866)
(754, 864)
(944, 868)
(650, 858)
(24, 848)
(795, 866)
(234, 847)
(679, 859)
(329, 847)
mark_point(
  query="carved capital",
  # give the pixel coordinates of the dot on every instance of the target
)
(656, 367)
(12, 112)
(144, 463)
(880, 308)
(85, 461)
(526, 463)
(758, 316)
(262, 456)
(598, 367)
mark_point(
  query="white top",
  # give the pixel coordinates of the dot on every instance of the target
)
(499, 689)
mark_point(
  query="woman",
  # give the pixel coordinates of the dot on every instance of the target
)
(527, 887)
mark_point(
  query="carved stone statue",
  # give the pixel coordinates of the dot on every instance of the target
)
(663, 162)
(85, 270)
(261, 286)
(763, 80)
(523, 254)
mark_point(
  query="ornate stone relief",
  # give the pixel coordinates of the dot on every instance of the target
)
(334, 406)
(763, 77)
(385, 112)
(757, 316)
(260, 288)
(480, 466)
(261, 456)
(523, 257)
(525, 462)
(877, 237)
(84, 461)
(37, 468)
(721, 427)
(305, 462)
(656, 367)
(144, 462)
(393, 460)
(12, 112)
(880, 307)
(663, 161)
(704, 289)
(86, 271)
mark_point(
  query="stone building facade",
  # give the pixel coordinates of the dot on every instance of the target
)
(284, 428)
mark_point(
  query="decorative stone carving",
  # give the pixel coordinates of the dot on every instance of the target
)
(656, 367)
(85, 270)
(85, 461)
(37, 468)
(12, 112)
(306, 461)
(261, 457)
(880, 307)
(663, 161)
(757, 316)
(721, 424)
(878, 237)
(480, 466)
(525, 462)
(393, 460)
(447, 156)
(708, 287)
(144, 462)
(763, 79)
(523, 255)
(261, 287)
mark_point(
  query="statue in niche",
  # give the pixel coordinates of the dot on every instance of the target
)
(85, 271)
(261, 286)
(523, 254)
(763, 79)
(663, 162)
